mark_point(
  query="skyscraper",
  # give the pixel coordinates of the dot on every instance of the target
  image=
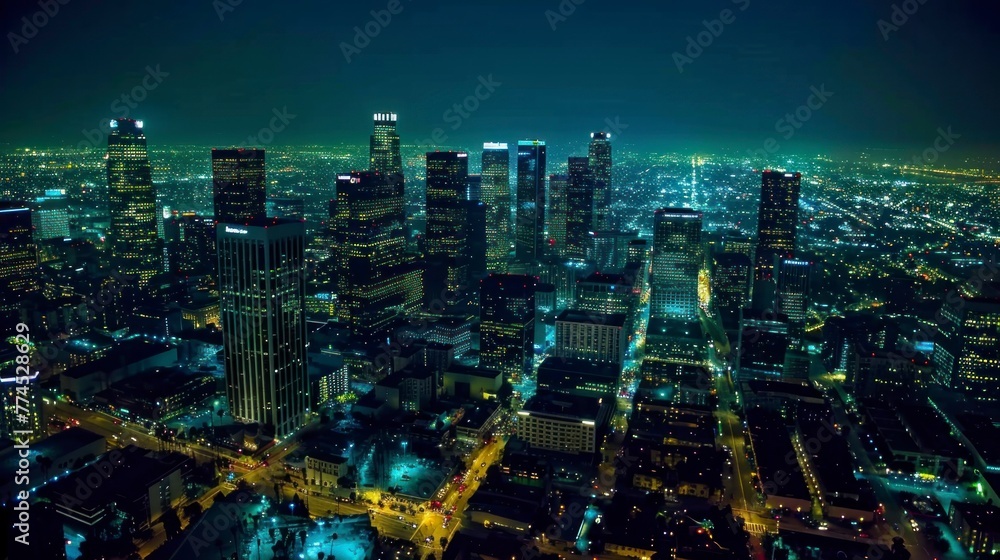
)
(677, 258)
(447, 228)
(967, 344)
(530, 235)
(384, 154)
(495, 193)
(793, 288)
(135, 247)
(371, 267)
(18, 256)
(474, 191)
(600, 167)
(580, 208)
(557, 214)
(262, 307)
(51, 216)
(507, 324)
(776, 220)
(239, 185)
(731, 279)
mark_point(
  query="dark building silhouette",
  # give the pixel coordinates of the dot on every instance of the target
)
(579, 208)
(531, 242)
(777, 220)
(447, 239)
(239, 185)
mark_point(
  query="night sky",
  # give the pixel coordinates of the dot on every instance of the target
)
(606, 60)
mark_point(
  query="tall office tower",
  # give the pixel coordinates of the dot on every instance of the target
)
(762, 345)
(736, 241)
(558, 213)
(286, 207)
(262, 307)
(732, 276)
(191, 247)
(18, 256)
(794, 288)
(474, 190)
(600, 167)
(51, 215)
(967, 345)
(677, 258)
(530, 215)
(384, 155)
(609, 249)
(239, 185)
(135, 247)
(776, 220)
(637, 252)
(447, 223)
(580, 208)
(495, 193)
(475, 213)
(372, 268)
(507, 324)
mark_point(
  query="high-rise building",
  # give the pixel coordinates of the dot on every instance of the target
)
(597, 337)
(732, 276)
(530, 235)
(762, 345)
(132, 235)
(967, 344)
(580, 208)
(474, 190)
(191, 247)
(239, 185)
(372, 269)
(507, 324)
(793, 288)
(495, 193)
(447, 223)
(557, 214)
(600, 167)
(384, 154)
(777, 219)
(18, 255)
(475, 214)
(262, 307)
(677, 259)
(609, 249)
(51, 216)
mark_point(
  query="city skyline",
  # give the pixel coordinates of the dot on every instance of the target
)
(526, 280)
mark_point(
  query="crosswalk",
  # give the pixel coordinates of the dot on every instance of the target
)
(755, 528)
